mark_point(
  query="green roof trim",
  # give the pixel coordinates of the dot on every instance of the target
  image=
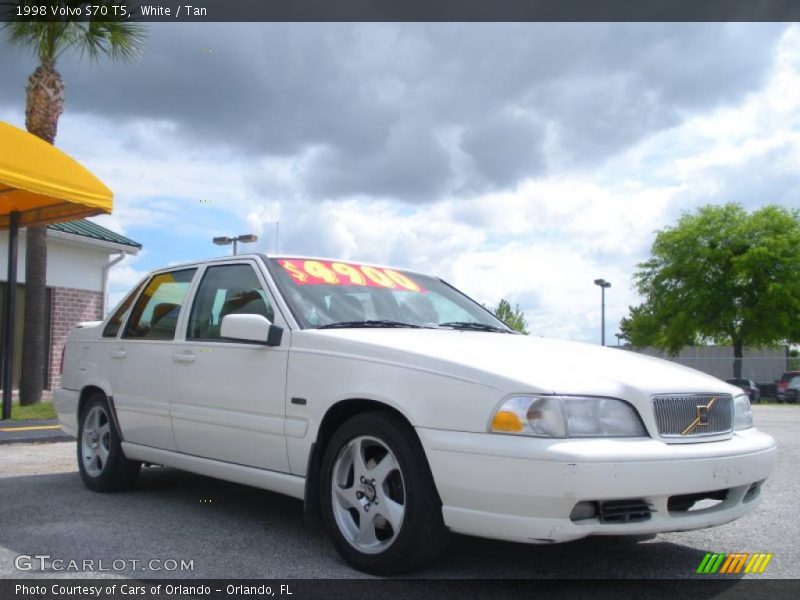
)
(88, 229)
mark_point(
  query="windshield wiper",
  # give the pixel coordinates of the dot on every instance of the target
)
(473, 326)
(368, 323)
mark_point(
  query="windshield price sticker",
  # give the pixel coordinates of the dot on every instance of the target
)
(321, 272)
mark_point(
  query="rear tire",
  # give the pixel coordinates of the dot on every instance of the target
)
(101, 461)
(379, 502)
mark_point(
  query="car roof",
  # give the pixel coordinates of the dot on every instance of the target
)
(343, 260)
(267, 257)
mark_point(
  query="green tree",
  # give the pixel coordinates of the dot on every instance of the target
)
(513, 317)
(721, 276)
(44, 103)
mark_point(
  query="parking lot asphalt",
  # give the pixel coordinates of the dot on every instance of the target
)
(233, 531)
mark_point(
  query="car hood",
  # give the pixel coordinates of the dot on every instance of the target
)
(518, 363)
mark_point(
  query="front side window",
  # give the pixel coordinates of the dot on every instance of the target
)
(155, 314)
(226, 290)
(115, 322)
(338, 294)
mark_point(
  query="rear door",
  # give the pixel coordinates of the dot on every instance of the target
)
(140, 361)
(228, 398)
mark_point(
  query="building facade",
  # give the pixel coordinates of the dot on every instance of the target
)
(762, 365)
(79, 256)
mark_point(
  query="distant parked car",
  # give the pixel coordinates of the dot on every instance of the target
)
(792, 391)
(768, 390)
(748, 386)
(783, 394)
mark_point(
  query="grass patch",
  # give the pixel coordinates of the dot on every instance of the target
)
(33, 412)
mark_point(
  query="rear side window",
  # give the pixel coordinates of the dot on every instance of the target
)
(155, 314)
(116, 321)
(226, 290)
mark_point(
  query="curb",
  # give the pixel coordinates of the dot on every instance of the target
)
(58, 437)
(25, 432)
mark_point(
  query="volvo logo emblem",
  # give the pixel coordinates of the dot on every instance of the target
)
(701, 419)
(368, 491)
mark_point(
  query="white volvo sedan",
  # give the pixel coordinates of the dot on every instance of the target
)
(400, 410)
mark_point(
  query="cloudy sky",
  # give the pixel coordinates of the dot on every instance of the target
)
(515, 160)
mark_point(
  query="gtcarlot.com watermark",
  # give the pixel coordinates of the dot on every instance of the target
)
(46, 562)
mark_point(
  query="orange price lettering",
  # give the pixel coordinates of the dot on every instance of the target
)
(349, 271)
(320, 271)
(402, 280)
(377, 276)
(296, 273)
(317, 272)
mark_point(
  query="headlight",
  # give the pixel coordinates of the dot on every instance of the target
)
(567, 416)
(742, 413)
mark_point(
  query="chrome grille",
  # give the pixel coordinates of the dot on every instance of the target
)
(675, 413)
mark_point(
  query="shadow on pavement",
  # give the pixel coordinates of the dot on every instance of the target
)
(236, 531)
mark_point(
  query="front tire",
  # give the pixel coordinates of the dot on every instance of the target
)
(379, 502)
(101, 462)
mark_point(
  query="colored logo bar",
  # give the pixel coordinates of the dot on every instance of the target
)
(732, 564)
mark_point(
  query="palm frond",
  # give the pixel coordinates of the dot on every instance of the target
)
(118, 40)
(36, 36)
(48, 40)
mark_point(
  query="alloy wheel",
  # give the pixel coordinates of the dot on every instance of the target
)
(368, 494)
(95, 441)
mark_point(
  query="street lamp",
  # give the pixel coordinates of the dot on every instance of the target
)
(603, 285)
(247, 238)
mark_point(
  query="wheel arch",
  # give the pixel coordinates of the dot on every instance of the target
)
(87, 392)
(337, 413)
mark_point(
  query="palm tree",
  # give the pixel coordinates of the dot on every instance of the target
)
(44, 103)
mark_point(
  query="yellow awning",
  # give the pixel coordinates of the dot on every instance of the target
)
(43, 184)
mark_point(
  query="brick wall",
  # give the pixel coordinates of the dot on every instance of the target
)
(69, 306)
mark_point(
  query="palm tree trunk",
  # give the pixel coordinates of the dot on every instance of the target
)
(32, 375)
(43, 106)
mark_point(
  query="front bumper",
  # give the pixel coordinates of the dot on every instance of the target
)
(525, 489)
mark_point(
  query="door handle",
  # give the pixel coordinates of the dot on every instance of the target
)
(184, 358)
(118, 354)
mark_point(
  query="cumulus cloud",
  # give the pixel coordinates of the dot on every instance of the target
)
(377, 101)
(514, 160)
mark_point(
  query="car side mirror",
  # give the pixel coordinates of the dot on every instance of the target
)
(255, 329)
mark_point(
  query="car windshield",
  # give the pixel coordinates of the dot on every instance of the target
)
(331, 294)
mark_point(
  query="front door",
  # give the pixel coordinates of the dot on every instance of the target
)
(228, 398)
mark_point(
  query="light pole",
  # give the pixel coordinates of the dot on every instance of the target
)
(246, 238)
(603, 285)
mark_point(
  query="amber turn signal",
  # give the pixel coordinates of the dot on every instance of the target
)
(505, 420)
